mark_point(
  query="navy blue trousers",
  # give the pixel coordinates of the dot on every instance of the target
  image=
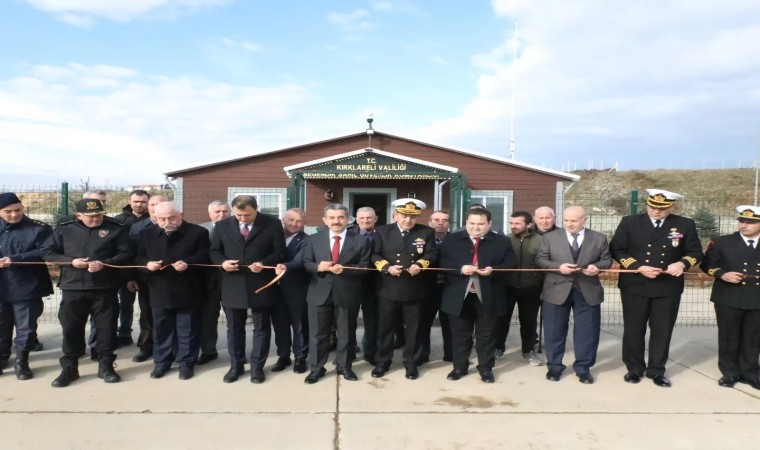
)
(175, 336)
(22, 315)
(262, 333)
(586, 325)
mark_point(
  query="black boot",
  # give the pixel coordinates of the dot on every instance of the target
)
(68, 374)
(106, 371)
(23, 372)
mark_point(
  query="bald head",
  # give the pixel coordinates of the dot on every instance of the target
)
(574, 219)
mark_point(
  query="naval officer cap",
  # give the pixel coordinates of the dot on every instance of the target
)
(90, 207)
(409, 206)
(8, 198)
(748, 213)
(661, 199)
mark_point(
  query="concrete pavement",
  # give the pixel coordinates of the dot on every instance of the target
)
(520, 410)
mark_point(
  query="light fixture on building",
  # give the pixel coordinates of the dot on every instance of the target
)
(329, 194)
(411, 194)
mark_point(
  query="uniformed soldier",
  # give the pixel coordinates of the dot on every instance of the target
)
(660, 246)
(21, 286)
(88, 286)
(402, 250)
(734, 261)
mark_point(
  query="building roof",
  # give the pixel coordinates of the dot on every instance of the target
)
(509, 162)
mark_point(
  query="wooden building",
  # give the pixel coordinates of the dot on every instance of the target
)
(372, 168)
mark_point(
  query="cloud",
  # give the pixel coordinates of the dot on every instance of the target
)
(84, 13)
(643, 81)
(353, 23)
(117, 124)
(243, 45)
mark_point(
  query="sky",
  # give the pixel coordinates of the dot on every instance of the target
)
(122, 91)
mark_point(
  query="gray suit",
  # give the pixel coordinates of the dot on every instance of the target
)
(581, 293)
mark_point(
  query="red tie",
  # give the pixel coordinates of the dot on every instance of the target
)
(244, 231)
(475, 252)
(336, 249)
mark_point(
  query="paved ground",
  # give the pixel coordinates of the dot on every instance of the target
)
(521, 410)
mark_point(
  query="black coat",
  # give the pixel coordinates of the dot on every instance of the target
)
(265, 244)
(345, 288)
(495, 250)
(295, 282)
(169, 288)
(390, 249)
(637, 243)
(22, 242)
(731, 254)
(107, 243)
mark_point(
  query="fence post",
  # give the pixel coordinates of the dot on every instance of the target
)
(634, 202)
(64, 199)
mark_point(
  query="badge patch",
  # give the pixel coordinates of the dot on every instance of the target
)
(675, 237)
(420, 243)
(103, 233)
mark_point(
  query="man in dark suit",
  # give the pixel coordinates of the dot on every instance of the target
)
(402, 250)
(334, 292)
(660, 246)
(290, 312)
(366, 219)
(474, 295)
(210, 306)
(734, 261)
(169, 252)
(439, 221)
(579, 254)
(243, 245)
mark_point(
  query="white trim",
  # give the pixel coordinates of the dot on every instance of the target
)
(258, 192)
(370, 150)
(391, 192)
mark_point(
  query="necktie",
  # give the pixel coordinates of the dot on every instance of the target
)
(751, 243)
(336, 249)
(475, 252)
(657, 224)
(575, 245)
(244, 231)
(404, 234)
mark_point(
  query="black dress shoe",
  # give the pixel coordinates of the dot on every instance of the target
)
(660, 380)
(206, 358)
(632, 377)
(553, 375)
(727, 381)
(281, 364)
(233, 374)
(379, 371)
(486, 376)
(585, 378)
(412, 373)
(159, 371)
(257, 376)
(186, 372)
(300, 365)
(754, 383)
(314, 376)
(348, 374)
(456, 374)
(68, 374)
(142, 356)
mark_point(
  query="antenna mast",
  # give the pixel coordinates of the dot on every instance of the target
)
(514, 84)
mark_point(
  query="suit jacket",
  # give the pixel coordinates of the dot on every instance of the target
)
(295, 283)
(213, 275)
(265, 244)
(494, 250)
(169, 288)
(346, 287)
(209, 226)
(731, 254)
(391, 249)
(555, 251)
(637, 243)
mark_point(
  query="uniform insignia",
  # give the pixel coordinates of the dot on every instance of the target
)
(103, 233)
(420, 243)
(711, 272)
(675, 237)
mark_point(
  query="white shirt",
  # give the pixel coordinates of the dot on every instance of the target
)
(746, 240)
(580, 237)
(342, 239)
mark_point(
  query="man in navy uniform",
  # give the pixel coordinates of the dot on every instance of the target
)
(402, 250)
(243, 244)
(734, 261)
(334, 291)
(21, 286)
(169, 251)
(474, 296)
(289, 316)
(86, 248)
(660, 246)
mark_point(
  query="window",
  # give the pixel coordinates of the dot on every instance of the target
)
(500, 205)
(272, 201)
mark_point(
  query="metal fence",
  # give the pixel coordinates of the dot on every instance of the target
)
(714, 215)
